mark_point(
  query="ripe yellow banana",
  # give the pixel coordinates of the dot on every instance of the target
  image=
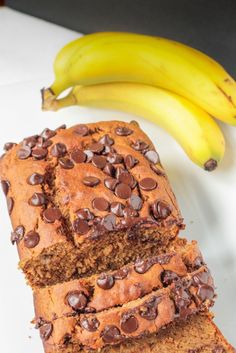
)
(193, 128)
(126, 57)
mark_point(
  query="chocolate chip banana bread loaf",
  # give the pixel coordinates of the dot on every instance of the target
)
(86, 199)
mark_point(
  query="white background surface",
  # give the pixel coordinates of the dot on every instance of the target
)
(208, 200)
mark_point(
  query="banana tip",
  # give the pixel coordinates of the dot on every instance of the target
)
(210, 165)
(48, 97)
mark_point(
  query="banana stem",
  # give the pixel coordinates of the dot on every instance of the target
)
(53, 104)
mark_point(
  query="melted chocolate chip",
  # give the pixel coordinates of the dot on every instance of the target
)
(130, 161)
(123, 131)
(136, 202)
(89, 155)
(81, 130)
(100, 204)
(161, 210)
(35, 179)
(182, 301)
(148, 184)
(90, 324)
(149, 310)
(24, 152)
(85, 213)
(205, 292)
(109, 169)
(30, 141)
(46, 331)
(109, 222)
(117, 208)
(96, 147)
(106, 140)
(66, 163)
(115, 158)
(47, 133)
(168, 277)
(78, 156)
(8, 146)
(58, 150)
(105, 281)
(121, 274)
(39, 153)
(10, 204)
(129, 212)
(77, 300)
(80, 226)
(91, 181)
(31, 239)
(128, 323)
(157, 170)
(99, 161)
(38, 199)
(111, 334)
(123, 191)
(52, 214)
(110, 183)
(140, 145)
(5, 186)
(152, 156)
(18, 234)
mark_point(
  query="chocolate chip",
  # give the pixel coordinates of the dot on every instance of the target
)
(10, 204)
(136, 202)
(128, 323)
(168, 277)
(77, 300)
(58, 150)
(117, 208)
(30, 141)
(140, 145)
(52, 214)
(126, 178)
(99, 161)
(35, 179)
(91, 181)
(31, 239)
(119, 171)
(115, 158)
(129, 212)
(148, 184)
(220, 349)
(108, 150)
(8, 146)
(111, 334)
(78, 156)
(100, 204)
(142, 266)
(61, 127)
(96, 147)
(109, 169)
(90, 324)
(17, 235)
(89, 155)
(24, 152)
(121, 274)
(152, 156)
(66, 163)
(149, 310)
(110, 183)
(106, 140)
(157, 170)
(161, 210)
(80, 226)
(123, 131)
(130, 161)
(81, 130)
(46, 331)
(205, 292)
(5, 186)
(109, 222)
(47, 133)
(105, 281)
(182, 301)
(123, 191)
(38, 199)
(85, 213)
(39, 153)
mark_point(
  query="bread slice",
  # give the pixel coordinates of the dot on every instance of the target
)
(87, 199)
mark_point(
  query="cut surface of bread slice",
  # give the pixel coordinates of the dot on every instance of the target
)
(87, 199)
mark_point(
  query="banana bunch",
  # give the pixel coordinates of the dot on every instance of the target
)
(173, 85)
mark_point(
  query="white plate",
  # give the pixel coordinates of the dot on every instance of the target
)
(207, 200)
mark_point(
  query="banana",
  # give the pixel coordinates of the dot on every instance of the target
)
(126, 57)
(193, 128)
